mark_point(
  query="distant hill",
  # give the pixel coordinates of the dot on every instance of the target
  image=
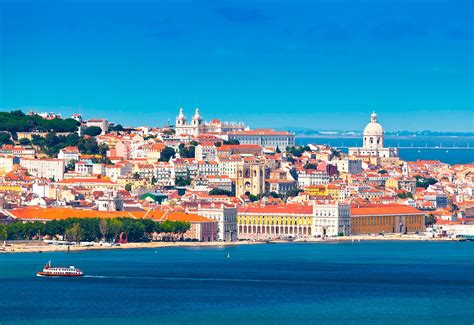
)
(17, 121)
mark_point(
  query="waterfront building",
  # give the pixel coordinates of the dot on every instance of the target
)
(389, 218)
(264, 138)
(274, 221)
(333, 219)
(224, 214)
(373, 142)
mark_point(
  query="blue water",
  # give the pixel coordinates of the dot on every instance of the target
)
(450, 156)
(366, 282)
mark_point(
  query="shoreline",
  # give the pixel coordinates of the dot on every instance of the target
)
(41, 247)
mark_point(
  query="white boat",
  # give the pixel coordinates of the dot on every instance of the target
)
(57, 271)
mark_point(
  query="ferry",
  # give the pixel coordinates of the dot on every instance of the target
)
(49, 270)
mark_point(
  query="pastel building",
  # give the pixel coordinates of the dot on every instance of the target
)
(388, 218)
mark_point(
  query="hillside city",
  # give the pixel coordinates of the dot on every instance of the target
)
(92, 180)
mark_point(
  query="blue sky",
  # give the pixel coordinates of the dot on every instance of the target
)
(322, 64)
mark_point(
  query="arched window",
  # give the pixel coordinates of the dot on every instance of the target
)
(371, 140)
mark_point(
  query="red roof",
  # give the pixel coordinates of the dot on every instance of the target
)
(383, 209)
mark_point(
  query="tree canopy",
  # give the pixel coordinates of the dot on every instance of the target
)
(17, 121)
(167, 153)
(220, 191)
(92, 131)
(92, 229)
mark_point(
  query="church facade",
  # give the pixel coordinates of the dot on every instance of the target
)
(373, 142)
(194, 128)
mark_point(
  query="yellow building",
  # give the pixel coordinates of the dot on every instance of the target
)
(274, 221)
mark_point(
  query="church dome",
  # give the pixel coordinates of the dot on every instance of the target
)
(373, 128)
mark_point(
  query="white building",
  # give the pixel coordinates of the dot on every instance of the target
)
(373, 141)
(228, 165)
(193, 129)
(69, 154)
(44, 168)
(164, 174)
(224, 214)
(264, 138)
(331, 219)
(309, 177)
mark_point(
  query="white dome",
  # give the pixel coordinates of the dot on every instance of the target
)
(373, 128)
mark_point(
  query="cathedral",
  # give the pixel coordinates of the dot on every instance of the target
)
(194, 128)
(373, 142)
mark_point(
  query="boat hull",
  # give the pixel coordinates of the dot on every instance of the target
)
(57, 275)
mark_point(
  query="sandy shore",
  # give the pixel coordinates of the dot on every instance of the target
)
(36, 247)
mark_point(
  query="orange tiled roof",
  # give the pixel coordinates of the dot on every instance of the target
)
(44, 214)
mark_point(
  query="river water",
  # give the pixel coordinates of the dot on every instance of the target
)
(332, 283)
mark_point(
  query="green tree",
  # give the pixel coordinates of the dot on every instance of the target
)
(128, 187)
(220, 191)
(167, 153)
(382, 172)
(5, 138)
(169, 132)
(93, 131)
(74, 233)
(252, 197)
(430, 220)
(180, 181)
(71, 165)
(116, 227)
(136, 176)
(293, 192)
(3, 234)
(275, 195)
(24, 141)
(117, 127)
(232, 141)
(310, 166)
(103, 228)
(88, 146)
